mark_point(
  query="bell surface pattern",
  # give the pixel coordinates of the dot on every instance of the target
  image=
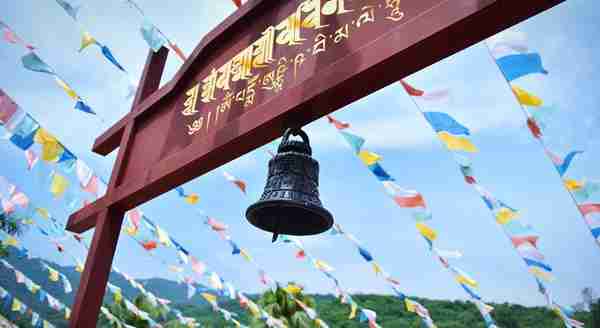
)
(290, 203)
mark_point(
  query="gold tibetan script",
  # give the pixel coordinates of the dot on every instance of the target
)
(190, 101)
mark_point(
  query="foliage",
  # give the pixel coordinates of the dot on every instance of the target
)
(12, 225)
(281, 305)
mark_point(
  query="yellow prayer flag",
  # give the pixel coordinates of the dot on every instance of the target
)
(67, 313)
(87, 40)
(368, 157)
(192, 199)
(79, 267)
(209, 297)
(51, 148)
(466, 280)
(377, 268)
(457, 143)
(353, 309)
(35, 288)
(293, 289)
(526, 98)
(118, 297)
(131, 230)
(43, 212)
(505, 215)
(163, 237)
(53, 275)
(572, 184)
(410, 305)
(426, 231)
(16, 305)
(245, 255)
(59, 185)
(541, 274)
(10, 241)
(46, 324)
(323, 266)
(70, 92)
(253, 308)
(28, 221)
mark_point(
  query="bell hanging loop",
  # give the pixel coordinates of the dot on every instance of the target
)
(290, 202)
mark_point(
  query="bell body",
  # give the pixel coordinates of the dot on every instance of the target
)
(290, 203)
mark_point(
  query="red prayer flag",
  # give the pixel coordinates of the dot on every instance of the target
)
(177, 51)
(534, 128)
(586, 209)
(238, 3)
(410, 201)
(338, 124)
(517, 241)
(412, 90)
(300, 254)
(149, 245)
(241, 184)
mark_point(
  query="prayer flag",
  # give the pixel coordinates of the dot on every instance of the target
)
(368, 158)
(444, 122)
(87, 40)
(70, 92)
(58, 185)
(69, 8)
(457, 143)
(31, 158)
(152, 35)
(111, 58)
(32, 62)
(355, 141)
(526, 98)
(338, 124)
(518, 65)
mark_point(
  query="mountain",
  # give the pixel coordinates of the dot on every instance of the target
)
(390, 311)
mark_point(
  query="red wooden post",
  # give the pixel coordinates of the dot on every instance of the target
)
(108, 223)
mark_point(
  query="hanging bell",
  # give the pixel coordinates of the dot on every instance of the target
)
(290, 203)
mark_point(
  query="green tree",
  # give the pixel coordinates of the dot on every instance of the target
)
(281, 304)
(12, 225)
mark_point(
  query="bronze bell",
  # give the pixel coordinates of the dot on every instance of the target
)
(290, 203)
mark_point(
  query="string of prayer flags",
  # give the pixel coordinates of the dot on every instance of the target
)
(392, 282)
(11, 36)
(88, 40)
(153, 35)
(239, 183)
(407, 198)
(191, 199)
(530, 63)
(56, 276)
(221, 229)
(320, 265)
(522, 236)
(31, 61)
(17, 305)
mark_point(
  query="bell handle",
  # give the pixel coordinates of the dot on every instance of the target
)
(295, 132)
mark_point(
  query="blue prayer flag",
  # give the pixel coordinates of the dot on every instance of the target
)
(24, 132)
(538, 264)
(355, 141)
(152, 36)
(32, 62)
(80, 105)
(444, 122)
(380, 172)
(69, 8)
(108, 55)
(562, 168)
(516, 66)
(365, 254)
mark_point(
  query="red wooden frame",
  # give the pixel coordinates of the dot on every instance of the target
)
(445, 28)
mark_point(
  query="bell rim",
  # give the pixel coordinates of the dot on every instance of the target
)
(321, 211)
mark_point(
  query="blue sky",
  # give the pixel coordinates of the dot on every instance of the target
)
(511, 164)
